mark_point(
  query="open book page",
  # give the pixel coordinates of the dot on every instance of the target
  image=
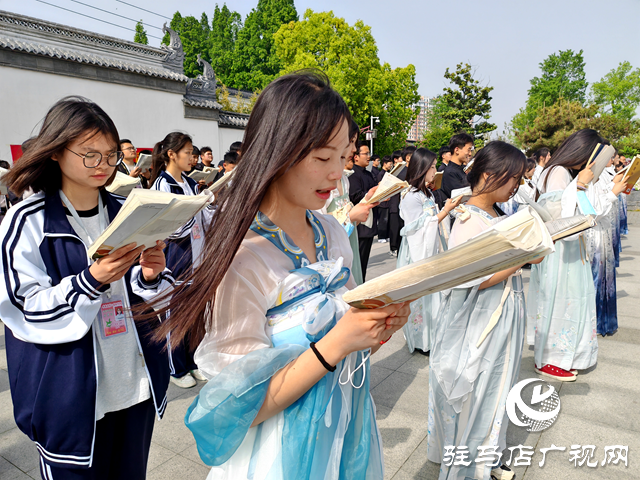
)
(464, 194)
(147, 216)
(144, 161)
(387, 188)
(437, 181)
(222, 181)
(3, 186)
(540, 210)
(514, 241)
(207, 174)
(564, 227)
(600, 162)
(397, 168)
(123, 184)
(341, 214)
(633, 170)
(469, 165)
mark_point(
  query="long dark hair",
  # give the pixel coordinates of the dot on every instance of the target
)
(574, 152)
(293, 115)
(421, 162)
(500, 161)
(160, 156)
(69, 119)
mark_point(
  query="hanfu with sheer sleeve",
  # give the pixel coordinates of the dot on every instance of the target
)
(271, 304)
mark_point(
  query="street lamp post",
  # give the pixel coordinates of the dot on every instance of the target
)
(372, 134)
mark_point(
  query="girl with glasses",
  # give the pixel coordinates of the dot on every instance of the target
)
(86, 381)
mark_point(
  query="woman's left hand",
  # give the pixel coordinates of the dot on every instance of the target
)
(153, 262)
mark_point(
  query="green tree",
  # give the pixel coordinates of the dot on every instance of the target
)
(225, 26)
(618, 92)
(255, 63)
(562, 77)
(141, 34)
(466, 104)
(349, 56)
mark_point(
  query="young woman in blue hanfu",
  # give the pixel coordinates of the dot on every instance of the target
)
(288, 395)
(473, 367)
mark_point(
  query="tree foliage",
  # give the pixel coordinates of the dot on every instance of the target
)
(348, 54)
(255, 63)
(141, 34)
(618, 92)
(438, 130)
(225, 26)
(562, 77)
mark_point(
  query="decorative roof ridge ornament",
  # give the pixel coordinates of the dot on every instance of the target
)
(203, 88)
(174, 59)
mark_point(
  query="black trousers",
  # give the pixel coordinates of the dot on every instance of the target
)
(121, 448)
(383, 223)
(395, 225)
(364, 245)
(181, 359)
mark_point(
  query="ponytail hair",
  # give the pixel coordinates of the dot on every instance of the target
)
(294, 115)
(160, 156)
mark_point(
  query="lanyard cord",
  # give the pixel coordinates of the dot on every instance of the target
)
(76, 217)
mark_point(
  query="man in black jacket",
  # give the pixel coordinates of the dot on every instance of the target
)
(445, 155)
(454, 177)
(395, 221)
(360, 182)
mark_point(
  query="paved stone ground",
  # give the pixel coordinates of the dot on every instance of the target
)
(601, 408)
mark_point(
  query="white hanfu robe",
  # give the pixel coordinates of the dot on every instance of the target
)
(468, 385)
(422, 237)
(561, 307)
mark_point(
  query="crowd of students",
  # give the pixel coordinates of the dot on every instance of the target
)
(287, 361)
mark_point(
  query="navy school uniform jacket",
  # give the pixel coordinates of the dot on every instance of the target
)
(48, 302)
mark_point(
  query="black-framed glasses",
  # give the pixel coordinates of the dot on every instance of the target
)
(93, 159)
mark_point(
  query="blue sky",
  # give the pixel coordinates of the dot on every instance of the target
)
(504, 40)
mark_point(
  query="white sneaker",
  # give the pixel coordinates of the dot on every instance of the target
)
(198, 375)
(502, 473)
(382, 240)
(184, 382)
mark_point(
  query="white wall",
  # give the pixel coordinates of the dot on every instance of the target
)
(227, 136)
(145, 116)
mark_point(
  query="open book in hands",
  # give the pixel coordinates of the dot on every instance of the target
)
(564, 227)
(463, 194)
(146, 217)
(397, 168)
(633, 170)
(437, 181)
(207, 174)
(516, 240)
(387, 188)
(123, 184)
(600, 157)
(144, 161)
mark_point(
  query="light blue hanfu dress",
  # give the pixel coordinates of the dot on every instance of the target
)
(561, 306)
(422, 237)
(624, 222)
(271, 304)
(468, 385)
(336, 202)
(601, 250)
(614, 214)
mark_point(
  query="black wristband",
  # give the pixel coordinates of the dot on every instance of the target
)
(321, 358)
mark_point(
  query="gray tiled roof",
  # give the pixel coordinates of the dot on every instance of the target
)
(233, 119)
(201, 103)
(39, 37)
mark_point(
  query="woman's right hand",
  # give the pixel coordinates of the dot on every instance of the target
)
(360, 329)
(450, 204)
(585, 176)
(115, 265)
(360, 212)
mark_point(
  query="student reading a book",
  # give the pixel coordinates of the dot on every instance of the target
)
(395, 221)
(86, 380)
(561, 310)
(511, 206)
(422, 237)
(288, 394)
(172, 158)
(128, 165)
(600, 242)
(469, 384)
